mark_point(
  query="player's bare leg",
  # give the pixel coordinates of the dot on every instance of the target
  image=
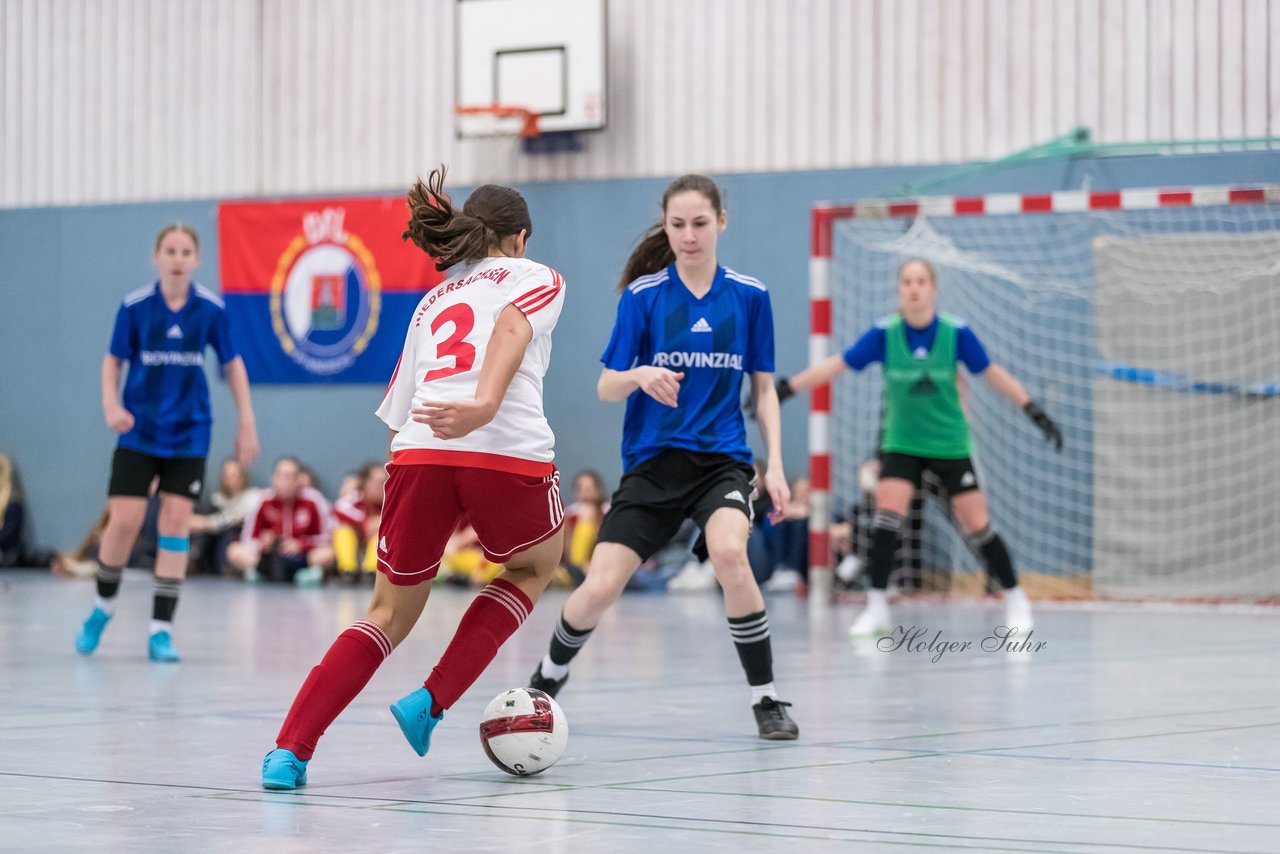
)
(396, 608)
(172, 554)
(893, 502)
(340, 676)
(970, 509)
(495, 614)
(726, 532)
(125, 515)
(612, 564)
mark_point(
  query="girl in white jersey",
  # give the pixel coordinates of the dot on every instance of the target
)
(467, 437)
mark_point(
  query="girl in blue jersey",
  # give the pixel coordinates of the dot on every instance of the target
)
(164, 420)
(687, 331)
(924, 429)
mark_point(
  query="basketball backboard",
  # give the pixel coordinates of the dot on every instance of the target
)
(547, 56)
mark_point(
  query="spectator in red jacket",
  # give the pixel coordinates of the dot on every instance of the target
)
(284, 538)
(355, 539)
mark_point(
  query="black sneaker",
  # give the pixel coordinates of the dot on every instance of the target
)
(548, 686)
(774, 722)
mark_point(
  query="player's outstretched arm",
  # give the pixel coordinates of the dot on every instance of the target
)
(1008, 386)
(511, 335)
(786, 388)
(117, 417)
(247, 448)
(815, 376)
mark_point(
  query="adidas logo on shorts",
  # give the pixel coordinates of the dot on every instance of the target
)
(968, 479)
(701, 326)
(195, 488)
(736, 496)
(382, 544)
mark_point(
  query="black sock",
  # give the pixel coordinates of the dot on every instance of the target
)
(566, 642)
(165, 601)
(751, 639)
(996, 557)
(108, 578)
(886, 530)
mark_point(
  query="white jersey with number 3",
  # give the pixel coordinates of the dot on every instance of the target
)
(444, 350)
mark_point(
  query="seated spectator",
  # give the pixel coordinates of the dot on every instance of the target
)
(309, 487)
(284, 538)
(213, 532)
(675, 567)
(582, 523)
(349, 487)
(849, 533)
(355, 538)
(14, 550)
(83, 562)
(463, 562)
(779, 551)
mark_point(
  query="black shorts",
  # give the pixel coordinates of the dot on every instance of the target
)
(132, 472)
(661, 492)
(955, 476)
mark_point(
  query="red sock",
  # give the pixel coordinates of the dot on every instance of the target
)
(492, 618)
(332, 684)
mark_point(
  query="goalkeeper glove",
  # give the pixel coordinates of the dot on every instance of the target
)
(1046, 424)
(784, 389)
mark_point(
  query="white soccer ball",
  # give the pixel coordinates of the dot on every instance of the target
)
(524, 731)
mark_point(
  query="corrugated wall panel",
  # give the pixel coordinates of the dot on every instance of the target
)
(1273, 59)
(120, 100)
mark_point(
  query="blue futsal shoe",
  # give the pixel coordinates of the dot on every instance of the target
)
(282, 770)
(413, 713)
(160, 647)
(91, 631)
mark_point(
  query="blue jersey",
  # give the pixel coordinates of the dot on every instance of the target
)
(165, 390)
(713, 340)
(871, 346)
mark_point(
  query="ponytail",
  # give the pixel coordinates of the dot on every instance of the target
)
(652, 254)
(451, 236)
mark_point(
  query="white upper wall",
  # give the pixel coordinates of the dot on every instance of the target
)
(129, 100)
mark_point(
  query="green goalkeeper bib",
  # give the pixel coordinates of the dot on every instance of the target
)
(922, 413)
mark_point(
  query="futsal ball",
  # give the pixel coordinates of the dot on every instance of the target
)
(523, 731)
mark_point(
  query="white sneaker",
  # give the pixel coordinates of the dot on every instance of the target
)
(693, 577)
(848, 568)
(1017, 612)
(874, 619)
(783, 580)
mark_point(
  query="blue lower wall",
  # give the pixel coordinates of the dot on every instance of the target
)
(63, 272)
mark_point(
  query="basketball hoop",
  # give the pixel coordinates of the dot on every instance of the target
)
(495, 120)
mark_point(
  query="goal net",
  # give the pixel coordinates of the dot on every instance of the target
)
(1146, 323)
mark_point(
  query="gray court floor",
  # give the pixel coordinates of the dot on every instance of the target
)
(1130, 730)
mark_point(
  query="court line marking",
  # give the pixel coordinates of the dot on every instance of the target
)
(954, 841)
(304, 799)
(944, 807)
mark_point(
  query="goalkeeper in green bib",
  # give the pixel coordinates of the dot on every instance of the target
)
(924, 429)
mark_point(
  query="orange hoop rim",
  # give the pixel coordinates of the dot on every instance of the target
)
(529, 119)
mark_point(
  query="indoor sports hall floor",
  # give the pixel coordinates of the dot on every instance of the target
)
(1130, 730)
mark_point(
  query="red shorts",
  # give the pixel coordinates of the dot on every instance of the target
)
(423, 504)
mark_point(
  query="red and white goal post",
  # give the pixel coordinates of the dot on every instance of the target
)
(1146, 321)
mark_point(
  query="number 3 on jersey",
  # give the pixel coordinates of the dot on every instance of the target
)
(463, 354)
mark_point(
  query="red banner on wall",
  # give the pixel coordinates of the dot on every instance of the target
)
(321, 290)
